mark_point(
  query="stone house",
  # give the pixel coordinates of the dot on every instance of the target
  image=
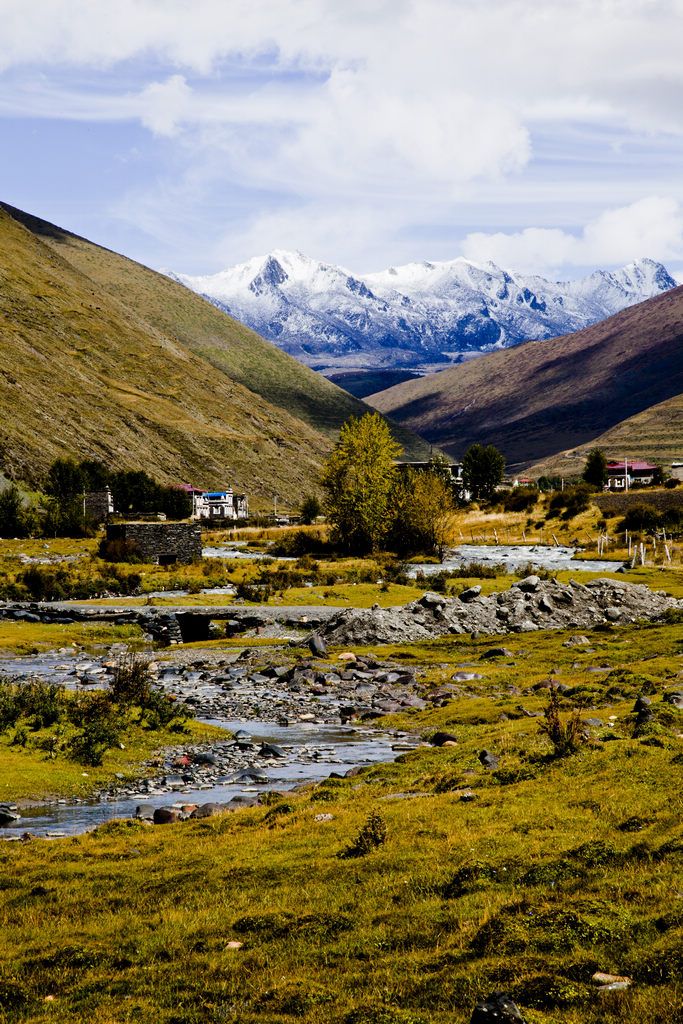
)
(160, 543)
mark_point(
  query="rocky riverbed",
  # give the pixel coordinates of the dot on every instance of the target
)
(530, 604)
(288, 720)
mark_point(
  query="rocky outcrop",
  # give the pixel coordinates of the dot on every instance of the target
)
(530, 604)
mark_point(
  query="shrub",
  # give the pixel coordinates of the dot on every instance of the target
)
(372, 835)
(641, 517)
(131, 682)
(566, 736)
(119, 550)
(89, 746)
(571, 501)
(520, 499)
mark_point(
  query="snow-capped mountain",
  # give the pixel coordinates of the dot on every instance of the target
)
(420, 316)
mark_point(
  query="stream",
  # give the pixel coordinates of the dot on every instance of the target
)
(308, 733)
(515, 556)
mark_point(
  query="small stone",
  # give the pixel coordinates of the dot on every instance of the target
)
(599, 978)
(233, 944)
(324, 817)
(443, 739)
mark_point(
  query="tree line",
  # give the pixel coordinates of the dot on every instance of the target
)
(59, 510)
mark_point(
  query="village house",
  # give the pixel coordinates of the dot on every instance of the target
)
(677, 470)
(623, 475)
(219, 505)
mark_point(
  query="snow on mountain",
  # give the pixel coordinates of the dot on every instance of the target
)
(419, 316)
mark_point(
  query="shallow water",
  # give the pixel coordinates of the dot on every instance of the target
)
(515, 556)
(313, 751)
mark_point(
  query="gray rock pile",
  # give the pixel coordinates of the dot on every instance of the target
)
(530, 604)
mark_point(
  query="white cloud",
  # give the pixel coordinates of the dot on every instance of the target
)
(399, 111)
(649, 227)
(165, 105)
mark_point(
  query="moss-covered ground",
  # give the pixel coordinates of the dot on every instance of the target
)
(528, 878)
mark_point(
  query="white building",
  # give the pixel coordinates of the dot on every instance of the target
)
(220, 505)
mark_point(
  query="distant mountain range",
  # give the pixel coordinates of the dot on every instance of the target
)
(419, 317)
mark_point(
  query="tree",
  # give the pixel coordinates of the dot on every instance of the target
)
(310, 509)
(423, 505)
(595, 469)
(357, 478)
(12, 518)
(482, 470)
(64, 479)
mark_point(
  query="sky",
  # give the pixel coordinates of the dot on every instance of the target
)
(546, 136)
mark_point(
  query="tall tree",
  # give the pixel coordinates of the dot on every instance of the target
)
(12, 517)
(595, 469)
(357, 478)
(482, 470)
(423, 507)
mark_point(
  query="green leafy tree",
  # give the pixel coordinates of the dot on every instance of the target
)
(482, 470)
(595, 469)
(423, 505)
(310, 509)
(64, 479)
(357, 478)
(12, 517)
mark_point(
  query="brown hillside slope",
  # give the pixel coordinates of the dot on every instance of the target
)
(81, 374)
(544, 397)
(655, 433)
(211, 334)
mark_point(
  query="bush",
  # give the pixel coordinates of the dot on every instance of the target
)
(566, 737)
(119, 550)
(131, 682)
(520, 499)
(641, 517)
(300, 542)
(372, 835)
(571, 501)
(89, 746)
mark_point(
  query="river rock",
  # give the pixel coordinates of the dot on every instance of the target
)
(271, 750)
(145, 812)
(496, 1007)
(165, 815)
(442, 739)
(207, 810)
(8, 814)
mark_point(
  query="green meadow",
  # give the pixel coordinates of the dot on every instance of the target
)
(406, 892)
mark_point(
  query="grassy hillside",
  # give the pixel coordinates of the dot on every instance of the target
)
(656, 433)
(179, 314)
(540, 398)
(82, 374)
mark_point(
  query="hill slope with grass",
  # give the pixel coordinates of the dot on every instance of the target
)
(166, 307)
(544, 397)
(101, 369)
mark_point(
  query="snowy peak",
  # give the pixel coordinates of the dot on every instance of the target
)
(419, 315)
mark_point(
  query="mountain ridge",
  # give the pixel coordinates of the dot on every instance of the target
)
(422, 316)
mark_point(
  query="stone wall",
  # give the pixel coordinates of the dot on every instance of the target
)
(98, 505)
(660, 499)
(161, 543)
